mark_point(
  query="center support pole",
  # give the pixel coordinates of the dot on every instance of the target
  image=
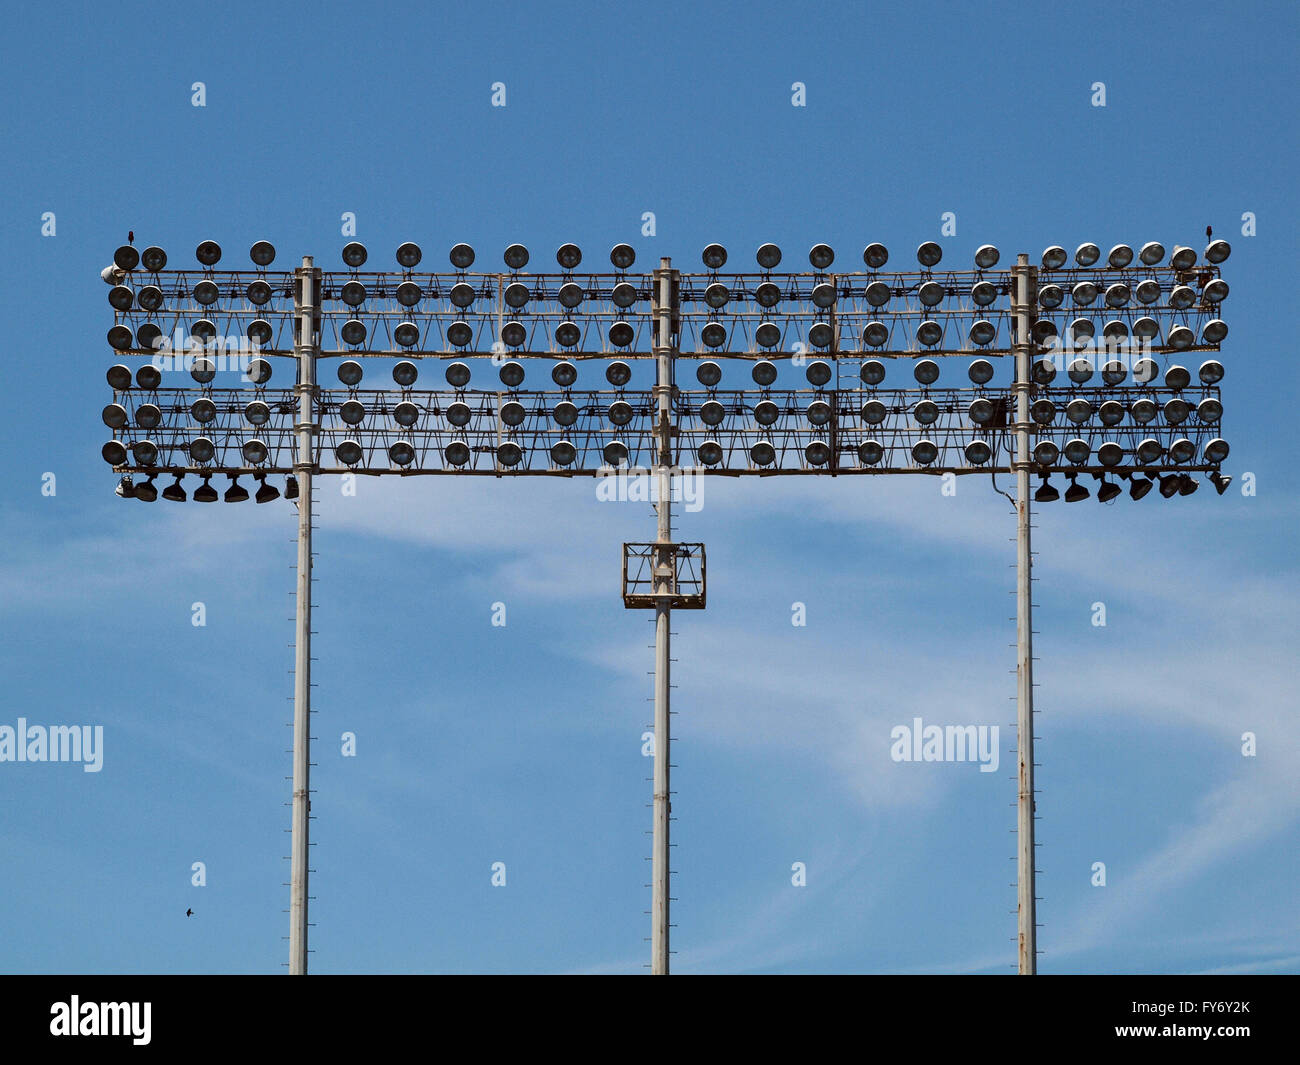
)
(665, 567)
(1024, 299)
(307, 350)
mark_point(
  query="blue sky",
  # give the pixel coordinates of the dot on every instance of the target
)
(522, 744)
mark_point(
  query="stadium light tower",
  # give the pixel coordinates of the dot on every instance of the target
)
(815, 345)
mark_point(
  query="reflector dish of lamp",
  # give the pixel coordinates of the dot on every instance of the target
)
(564, 413)
(1183, 259)
(763, 373)
(767, 294)
(206, 293)
(350, 372)
(1054, 257)
(351, 412)
(564, 374)
(255, 452)
(203, 450)
(405, 373)
(710, 452)
(462, 257)
(618, 374)
(977, 452)
(258, 293)
(1076, 491)
(406, 414)
(516, 257)
(354, 293)
(925, 452)
(1042, 411)
(820, 335)
(714, 256)
(1120, 256)
(1139, 486)
(571, 295)
(1216, 450)
(1077, 451)
(258, 413)
(821, 256)
(870, 452)
(929, 254)
(409, 293)
(1143, 411)
(982, 333)
(459, 333)
(563, 453)
(1176, 411)
(819, 373)
(1147, 291)
(509, 453)
(819, 412)
(1083, 293)
(929, 333)
(1087, 254)
(926, 412)
(1111, 412)
(874, 334)
(203, 331)
(1080, 370)
(151, 298)
(875, 256)
(1046, 453)
(119, 378)
(1050, 297)
(1181, 338)
(114, 416)
(1110, 454)
(872, 372)
(353, 333)
(153, 259)
(623, 295)
(878, 293)
(147, 492)
(409, 255)
(1082, 329)
(712, 412)
(980, 372)
(1145, 371)
(1117, 295)
(1044, 372)
(1177, 378)
(767, 335)
(615, 452)
(873, 412)
(716, 295)
(513, 334)
(1186, 486)
(457, 375)
(1043, 329)
(926, 371)
(621, 335)
(401, 453)
(354, 254)
(1211, 372)
(620, 412)
(513, 413)
(1152, 253)
(1146, 328)
(981, 411)
(1214, 331)
(714, 335)
(768, 257)
(1182, 450)
(457, 453)
(823, 296)
(622, 256)
(1182, 297)
(708, 374)
(459, 414)
(1217, 251)
(208, 253)
(512, 374)
(1115, 330)
(567, 335)
(986, 256)
(763, 453)
(766, 412)
(1078, 411)
(517, 295)
(176, 493)
(148, 337)
(148, 377)
(203, 411)
(931, 293)
(145, 452)
(1148, 452)
(983, 293)
(1215, 292)
(568, 256)
(817, 453)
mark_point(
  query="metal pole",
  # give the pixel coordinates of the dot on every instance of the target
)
(665, 571)
(1024, 299)
(305, 348)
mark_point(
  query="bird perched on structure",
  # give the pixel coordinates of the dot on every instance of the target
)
(130, 236)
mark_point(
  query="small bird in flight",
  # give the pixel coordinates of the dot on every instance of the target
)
(189, 913)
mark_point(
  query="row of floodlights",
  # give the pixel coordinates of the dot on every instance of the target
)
(147, 491)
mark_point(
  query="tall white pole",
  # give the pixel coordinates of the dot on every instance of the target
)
(664, 571)
(1024, 298)
(306, 349)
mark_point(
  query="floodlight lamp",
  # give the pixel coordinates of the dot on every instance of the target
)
(517, 295)
(512, 374)
(821, 256)
(924, 452)
(352, 333)
(153, 259)
(150, 298)
(1177, 378)
(1046, 453)
(875, 334)
(350, 373)
(926, 371)
(1110, 454)
(202, 449)
(929, 333)
(622, 256)
(349, 452)
(1054, 257)
(461, 256)
(1082, 329)
(820, 335)
(870, 452)
(262, 253)
(406, 414)
(1080, 371)
(1209, 410)
(1145, 371)
(875, 256)
(1046, 492)
(457, 375)
(291, 487)
(206, 293)
(766, 412)
(1217, 251)
(119, 378)
(1181, 338)
(929, 254)
(823, 296)
(1077, 451)
(986, 257)
(980, 372)
(1087, 254)
(205, 493)
(148, 415)
(981, 411)
(203, 331)
(174, 492)
(516, 257)
(620, 412)
(768, 256)
(353, 412)
(1182, 450)
(1044, 372)
(255, 452)
(1214, 331)
(926, 412)
(931, 293)
(763, 453)
(1220, 481)
(1186, 486)
(568, 256)
(872, 372)
(621, 335)
(1107, 491)
(1117, 295)
(714, 256)
(1076, 491)
(1147, 291)
(409, 294)
(819, 373)
(258, 293)
(1111, 413)
(1211, 372)
(1169, 486)
(615, 453)
(978, 452)
(819, 412)
(409, 255)
(405, 373)
(716, 295)
(983, 293)
(1183, 259)
(982, 333)
(148, 377)
(1120, 256)
(878, 293)
(1216, 450)
(873, 412)
(354, 254)
(111, 275)
(1083, 293)
(1139, 486)
(818, 453)
(563, 453)
(567, 334)
(236, 493)
(565, 413)
(147, 492)
(208, 253)
(708, 374)
(764, 373)
(459, 334)
(712, 412)
(513, 413)
(1216, 291)
(618, 373)
(1152, 253)
(1050, 297)
(570, 295)
(265, 492)
(564, 374)
(462, 295)
(513, 334)
(457, 453)
(767, 294)
(121, 298)
(354, 293)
